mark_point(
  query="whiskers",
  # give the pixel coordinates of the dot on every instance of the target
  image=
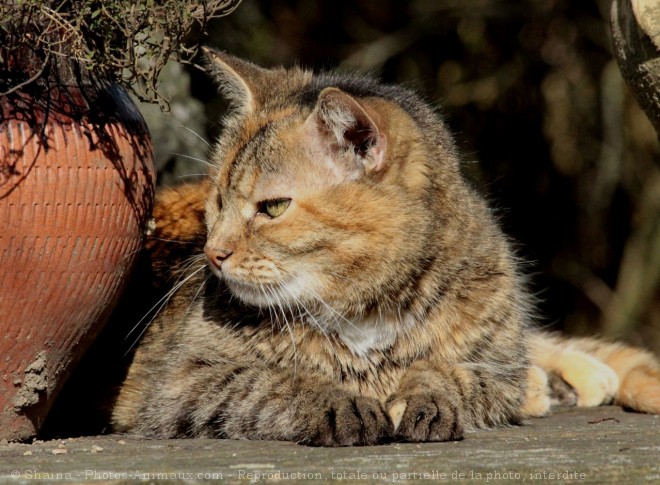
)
(278, 309)
(196, 159)
(190, 144)
(286, 309)
(194, 133)
(186, 275)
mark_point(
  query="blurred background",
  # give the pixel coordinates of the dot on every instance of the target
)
(548, 129)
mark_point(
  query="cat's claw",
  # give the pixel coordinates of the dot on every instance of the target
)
(395, 412)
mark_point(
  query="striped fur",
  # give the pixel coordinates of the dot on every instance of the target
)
(601, 372)
(383, 304)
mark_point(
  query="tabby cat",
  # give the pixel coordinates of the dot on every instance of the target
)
(335, 281)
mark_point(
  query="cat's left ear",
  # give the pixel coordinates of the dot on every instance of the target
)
(346, 124)
(242, 82)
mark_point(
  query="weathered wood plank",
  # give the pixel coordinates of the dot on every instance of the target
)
(602, 445)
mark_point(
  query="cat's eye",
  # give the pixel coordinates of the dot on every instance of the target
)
(274, 207)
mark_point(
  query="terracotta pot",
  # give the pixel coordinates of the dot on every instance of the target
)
(76, 188)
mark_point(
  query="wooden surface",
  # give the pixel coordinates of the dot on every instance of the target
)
(602, 445)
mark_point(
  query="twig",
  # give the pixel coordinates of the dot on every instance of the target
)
(30, 80)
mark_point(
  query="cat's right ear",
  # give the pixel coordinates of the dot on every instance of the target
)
(240, 81)
(345, 125)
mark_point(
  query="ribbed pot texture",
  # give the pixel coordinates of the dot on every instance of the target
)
(76, 188)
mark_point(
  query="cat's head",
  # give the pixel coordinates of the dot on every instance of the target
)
(325, 190)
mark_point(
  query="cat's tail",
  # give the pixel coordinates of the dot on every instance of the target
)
(601, 371)
(638, 372)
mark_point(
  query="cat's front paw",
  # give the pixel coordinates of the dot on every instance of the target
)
(424, 417)
(349, 421)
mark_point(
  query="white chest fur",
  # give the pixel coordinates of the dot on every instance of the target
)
(373, 333)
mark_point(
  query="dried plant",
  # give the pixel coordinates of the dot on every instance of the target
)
(122, 41)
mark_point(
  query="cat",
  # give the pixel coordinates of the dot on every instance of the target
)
(336, 281)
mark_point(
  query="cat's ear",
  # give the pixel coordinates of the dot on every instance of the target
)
(345, 124)
(242, 82)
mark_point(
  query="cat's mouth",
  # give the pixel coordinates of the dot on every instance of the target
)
(268, 286)
(263, 295)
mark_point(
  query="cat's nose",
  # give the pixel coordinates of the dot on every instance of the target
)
(217, 256)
